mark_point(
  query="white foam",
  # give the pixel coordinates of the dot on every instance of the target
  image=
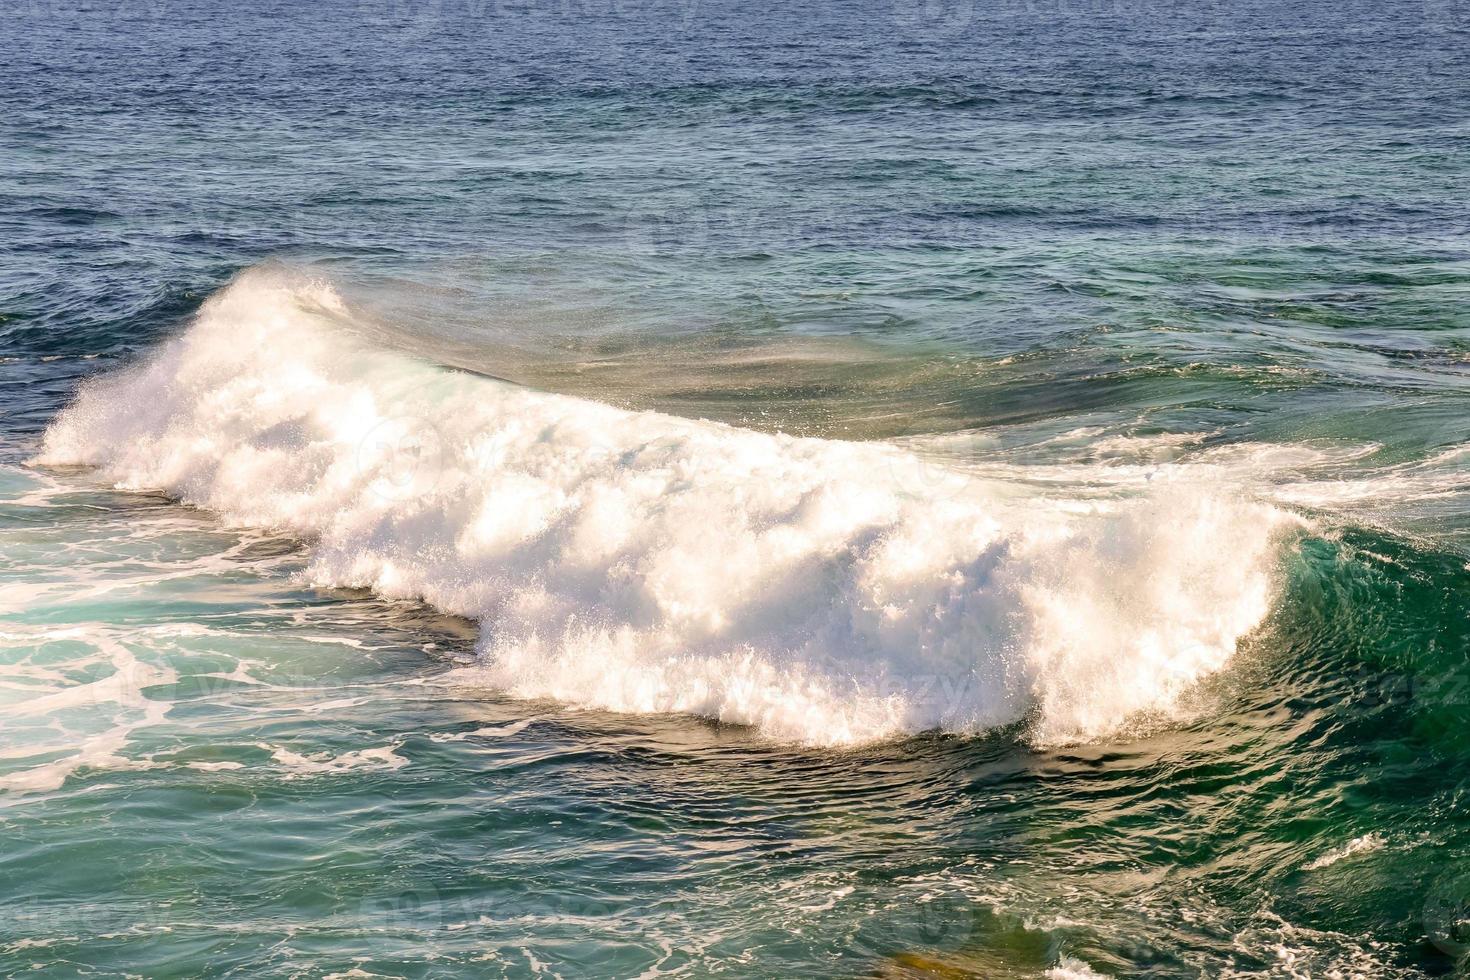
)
(1074, 969)
(37, 701)
(1365, 844)
(300, 764)
(491, 731)
(826, 592)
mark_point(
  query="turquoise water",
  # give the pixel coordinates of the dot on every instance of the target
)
(645, 489)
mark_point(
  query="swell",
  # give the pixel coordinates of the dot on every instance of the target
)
(826, 592)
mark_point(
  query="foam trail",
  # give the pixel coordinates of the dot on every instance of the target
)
(826, 592)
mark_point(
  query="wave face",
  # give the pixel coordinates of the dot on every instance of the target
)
(826, 592)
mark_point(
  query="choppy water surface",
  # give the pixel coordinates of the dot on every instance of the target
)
(674, 489)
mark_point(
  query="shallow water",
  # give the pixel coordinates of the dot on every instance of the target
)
(639, 489)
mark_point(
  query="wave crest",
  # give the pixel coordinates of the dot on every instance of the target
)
(827, 592)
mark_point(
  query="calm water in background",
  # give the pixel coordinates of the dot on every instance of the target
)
(1023, 234)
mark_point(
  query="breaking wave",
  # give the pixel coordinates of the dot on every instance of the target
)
(826, 592)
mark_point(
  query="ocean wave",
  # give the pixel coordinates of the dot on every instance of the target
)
(826, 592)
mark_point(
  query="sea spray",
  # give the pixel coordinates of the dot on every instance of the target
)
(826, 592)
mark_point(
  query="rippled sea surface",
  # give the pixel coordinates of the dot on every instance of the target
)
(627, 488)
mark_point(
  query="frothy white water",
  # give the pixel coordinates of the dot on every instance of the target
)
(1365, 844)
(827, 592)
(36, 699)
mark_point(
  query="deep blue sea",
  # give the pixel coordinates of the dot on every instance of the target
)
(641, 488)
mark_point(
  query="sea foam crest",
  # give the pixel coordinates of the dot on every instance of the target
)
(826, 592)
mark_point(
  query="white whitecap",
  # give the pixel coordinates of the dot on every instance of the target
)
(826, 592)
